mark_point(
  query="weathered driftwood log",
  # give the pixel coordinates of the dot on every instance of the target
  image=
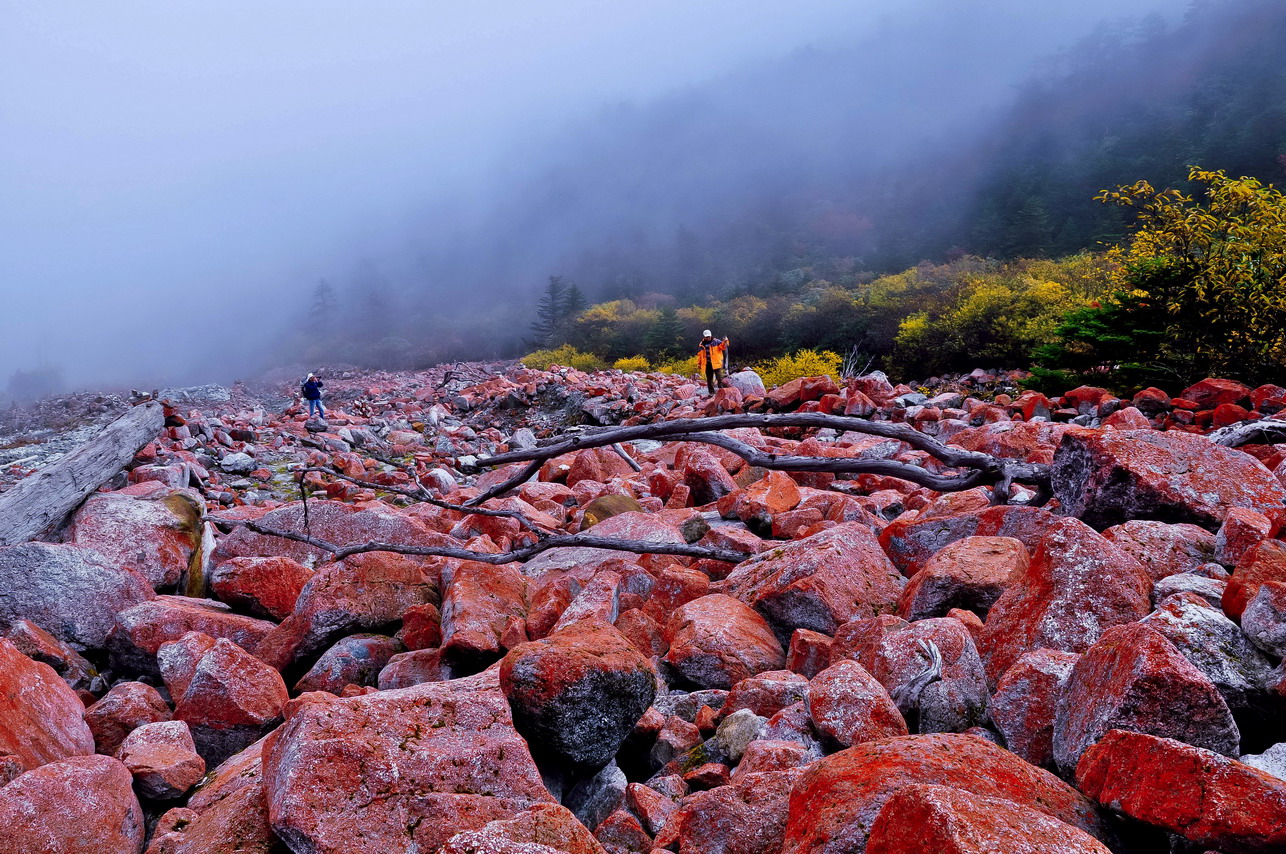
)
(983, 469)
(39, 503)
(1269, 431)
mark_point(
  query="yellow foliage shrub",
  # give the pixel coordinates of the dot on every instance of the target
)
(802, 363)
(682, 367)
(564, 355)
(633, 363)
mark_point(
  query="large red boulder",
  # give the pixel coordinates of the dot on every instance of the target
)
(970, 574)
(333, 521)
(747, 817)
(838, 798)
(1133, 678)
(540, 829)
(716, 641)
(1026, 700)
(820, 582)
(39, 645)
(1210, 393)
(227, 696)
(163, 759)
(1078, 585)
(484, 612)
(397, 771)
(706, 477)
(156, 538)
(228, 814)
(72, 592)
(767, 693)
(578, 693)
(41, 718)
(143, 629)
(849, 706)
(80, 805)
(125, 707)
(633, 525)
(928, 819)
(1208, 799)
(264, 586)
(930, 668)
(360, 593)
(354, 660)
(1164, 549)
(1107, 477)
(911, 542)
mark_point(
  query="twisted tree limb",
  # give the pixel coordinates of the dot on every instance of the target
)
(1269, 431)
(986, 469)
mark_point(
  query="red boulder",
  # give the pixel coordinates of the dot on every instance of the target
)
(41, 718)
(81, 805)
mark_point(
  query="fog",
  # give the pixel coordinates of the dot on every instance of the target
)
(175, 177)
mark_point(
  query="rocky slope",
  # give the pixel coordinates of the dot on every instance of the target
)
(892, 670)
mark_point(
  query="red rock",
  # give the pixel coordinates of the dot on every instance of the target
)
(763, 755)
(767, 693)
(264, 586)
(163, 759)
(776, 492)
(652, 807)
(1264, 619)
(809, 652)
(857, 403)
(643, 631)
(41, 718)
(1078, 585)
(970, 573)
(1263, 563)
(928, 819)
(412, 668)
(747, 817)
(1227, 414)
(1109, 477)
(1128, 418)
(910, 543)
(360, 593)
(543, 827)
(1211, 800)
(1242, 530)
(578, 693)
(421, 627)
(397, 769)
(1151, 401)
(1026, 700)
(675, 738)
(708, 776)
(80, 805)
(848, 706)
(819, 583)
(1086, 398)
(356, 660)
(143, 629)
(675, 586)
(72, 592)
(1210, 393)
(792, 523)
(786, 395)
(597, 464)
(125, 707)
(622, 833)
(647, 527)
(970, 621)
(228, 814)
(155, 538)
(38, 645)
(1164, 549)
(1133, 678)
(479, 605)
(706, 477)
(716, 641)
(837, 799)
(230, 699)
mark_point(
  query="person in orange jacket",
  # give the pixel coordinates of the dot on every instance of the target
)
(712, 356)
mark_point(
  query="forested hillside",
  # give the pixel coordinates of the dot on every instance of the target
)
(773, 201)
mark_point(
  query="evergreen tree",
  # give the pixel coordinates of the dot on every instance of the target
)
(321, 315)
(550, 312)
(664, 338)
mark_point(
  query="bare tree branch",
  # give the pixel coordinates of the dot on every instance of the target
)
(581, 540)
(987, 470)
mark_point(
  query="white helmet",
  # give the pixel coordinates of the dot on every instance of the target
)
(708, 334)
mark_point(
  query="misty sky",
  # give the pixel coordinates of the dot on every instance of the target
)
(173, 174)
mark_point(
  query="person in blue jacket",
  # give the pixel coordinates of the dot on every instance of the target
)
(311, 392)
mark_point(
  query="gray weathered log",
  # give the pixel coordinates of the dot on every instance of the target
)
(1268, 431)
(38, 504)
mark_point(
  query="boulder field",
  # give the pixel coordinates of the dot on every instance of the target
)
(847, 663)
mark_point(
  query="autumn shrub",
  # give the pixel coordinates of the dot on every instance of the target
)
(801, 363)
(682, 367)
(564, 355)
(632, 363)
